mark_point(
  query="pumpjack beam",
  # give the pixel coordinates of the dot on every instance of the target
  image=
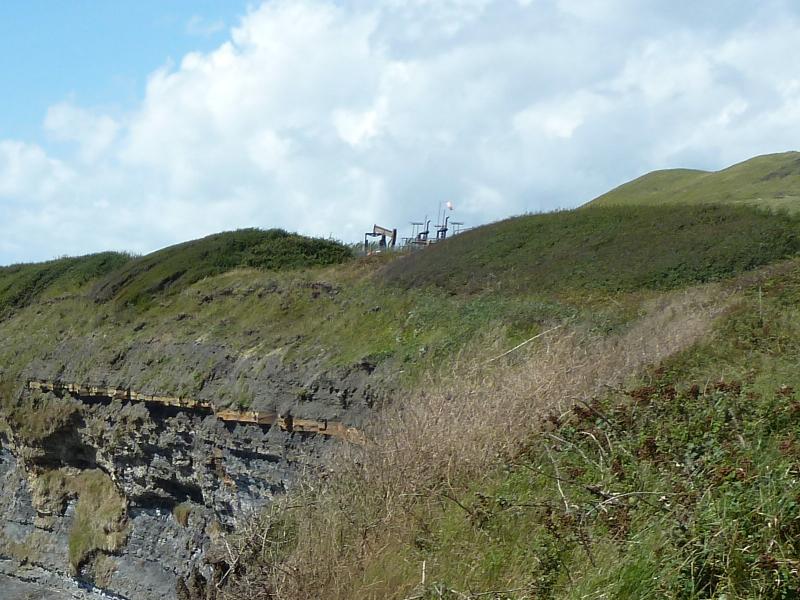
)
(388, 237)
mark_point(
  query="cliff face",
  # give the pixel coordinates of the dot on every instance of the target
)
(150, 429)
(104, 496)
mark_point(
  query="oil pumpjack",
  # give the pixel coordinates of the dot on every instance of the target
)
(441, 230)
(388, 237)
(421, 234)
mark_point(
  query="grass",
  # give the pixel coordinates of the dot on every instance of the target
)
(173, 269)
(689, 479)
(337, 316)
(99, 521)
(512, 278)
(182, 512)
(461, 475)
(22, 284)
(679, 483)
(385, 510)
(37, 416)
(770, 181)
(602, 250)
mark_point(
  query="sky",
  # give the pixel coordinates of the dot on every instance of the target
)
(132, 125)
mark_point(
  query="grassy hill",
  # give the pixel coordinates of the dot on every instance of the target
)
(23, 284)
(174, 268)
(657, 459)
(678, 483)
(310, 299)
(769, 181)
(602, 249)
(646, 447)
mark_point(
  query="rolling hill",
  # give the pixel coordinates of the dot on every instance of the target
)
(769, 181)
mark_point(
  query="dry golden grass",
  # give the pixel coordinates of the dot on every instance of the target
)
(341, 537)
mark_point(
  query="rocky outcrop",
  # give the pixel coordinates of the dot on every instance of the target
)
(262, 380)
(160, 481)
(93, 394)
(125, 458)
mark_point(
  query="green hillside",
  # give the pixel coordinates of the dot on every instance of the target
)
(25, 283)
(607, 249)
(311, 298)
(596, 403)
(174, 268)
(769, 181)
(681, 483)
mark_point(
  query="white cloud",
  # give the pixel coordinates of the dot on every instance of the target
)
(28, 175)
(327, 117)
(358, 128)
(93, 133)
(559, 117)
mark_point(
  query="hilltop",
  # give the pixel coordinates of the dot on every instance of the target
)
(173, 269)
(770, 181)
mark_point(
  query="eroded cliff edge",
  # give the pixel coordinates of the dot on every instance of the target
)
(114, 497)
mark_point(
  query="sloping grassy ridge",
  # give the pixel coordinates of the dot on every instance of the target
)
(176, 267)
(605, 249)
(684, 485)
(679, 483)
(23, 284)
(674, 485)
(769, 181)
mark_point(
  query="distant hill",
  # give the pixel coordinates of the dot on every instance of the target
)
(769, 181)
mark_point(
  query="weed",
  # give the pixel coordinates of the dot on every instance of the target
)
(182, 512)
(426, 487)
(99, 522)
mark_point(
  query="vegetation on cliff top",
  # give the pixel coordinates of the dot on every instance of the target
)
(23, 284)
(173, 269)
(643, 448)
(558, 472)
(513, 277)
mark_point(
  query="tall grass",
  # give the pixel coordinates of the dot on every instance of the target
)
(351, 534)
